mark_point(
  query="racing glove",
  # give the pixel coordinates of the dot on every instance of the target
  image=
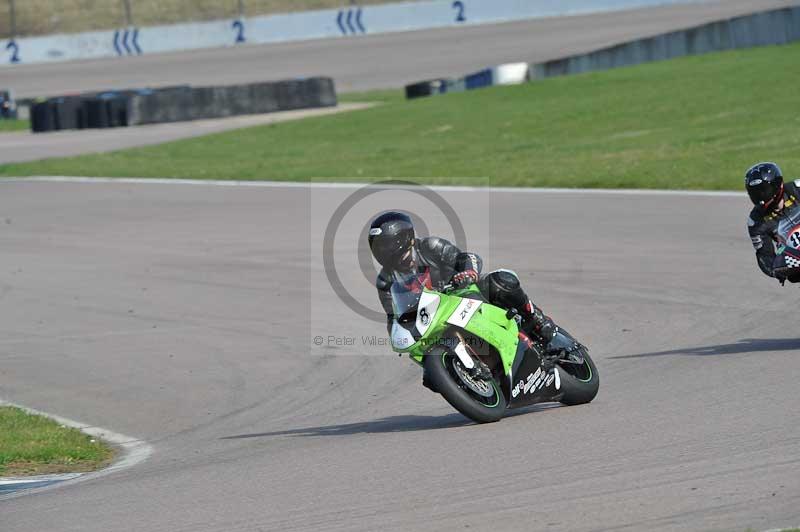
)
(465, 278)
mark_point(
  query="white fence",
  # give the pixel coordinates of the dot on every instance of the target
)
(347, 22)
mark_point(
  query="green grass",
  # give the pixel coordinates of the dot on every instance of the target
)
(14, 125)
(33, 445)
(692, 123)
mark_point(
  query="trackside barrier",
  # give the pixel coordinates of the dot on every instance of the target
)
(346, 22)
(508, 74)
(780, 26)
(177, 104)
(8, 107)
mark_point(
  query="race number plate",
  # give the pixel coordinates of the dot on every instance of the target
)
(793, 237)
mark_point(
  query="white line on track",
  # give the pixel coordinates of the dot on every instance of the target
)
(38, 479)
(134, 452)
(351, 186)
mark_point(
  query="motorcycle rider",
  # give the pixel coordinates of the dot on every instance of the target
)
(770, 197)
(397, 249)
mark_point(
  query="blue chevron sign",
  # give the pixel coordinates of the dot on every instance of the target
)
(126, 42)
(349, 21)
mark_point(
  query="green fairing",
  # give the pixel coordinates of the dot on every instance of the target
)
(489, 323)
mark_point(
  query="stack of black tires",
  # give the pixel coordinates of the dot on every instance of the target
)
(177, 104)
(83, 111)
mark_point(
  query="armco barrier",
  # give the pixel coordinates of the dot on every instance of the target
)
(780, 26)
(178, 104)
(346, 22)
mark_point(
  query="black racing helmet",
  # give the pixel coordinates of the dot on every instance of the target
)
(764, 183)
(391, 239)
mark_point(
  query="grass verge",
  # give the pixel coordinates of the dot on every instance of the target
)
(14, 125)
(691, 123)
(35, 445)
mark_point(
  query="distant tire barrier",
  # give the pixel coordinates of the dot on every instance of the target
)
(426, 88)
(8, 107)
(508, 74)
(69, 113)
(43, 117)
(178, 104)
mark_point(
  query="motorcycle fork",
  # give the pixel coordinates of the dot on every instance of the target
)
(482, 368)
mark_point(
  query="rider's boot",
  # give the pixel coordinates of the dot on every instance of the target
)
(536, 325)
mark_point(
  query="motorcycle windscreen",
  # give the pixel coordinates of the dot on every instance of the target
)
(407, 290)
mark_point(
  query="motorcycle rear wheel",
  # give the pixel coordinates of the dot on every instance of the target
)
(443, 369)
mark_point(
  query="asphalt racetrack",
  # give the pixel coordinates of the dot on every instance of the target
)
(185, 315)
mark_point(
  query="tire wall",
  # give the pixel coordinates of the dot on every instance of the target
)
(178, 104)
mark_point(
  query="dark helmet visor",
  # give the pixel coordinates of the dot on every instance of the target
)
(765, 192)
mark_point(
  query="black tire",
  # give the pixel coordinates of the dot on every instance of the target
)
(440, 372)
(579, 384)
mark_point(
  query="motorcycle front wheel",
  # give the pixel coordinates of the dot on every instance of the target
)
(579, 382)
(479, 399)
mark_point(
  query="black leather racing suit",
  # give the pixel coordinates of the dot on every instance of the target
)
(762, 225)
(501, 287)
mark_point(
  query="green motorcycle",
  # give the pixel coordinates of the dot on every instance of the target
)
(476, 357)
